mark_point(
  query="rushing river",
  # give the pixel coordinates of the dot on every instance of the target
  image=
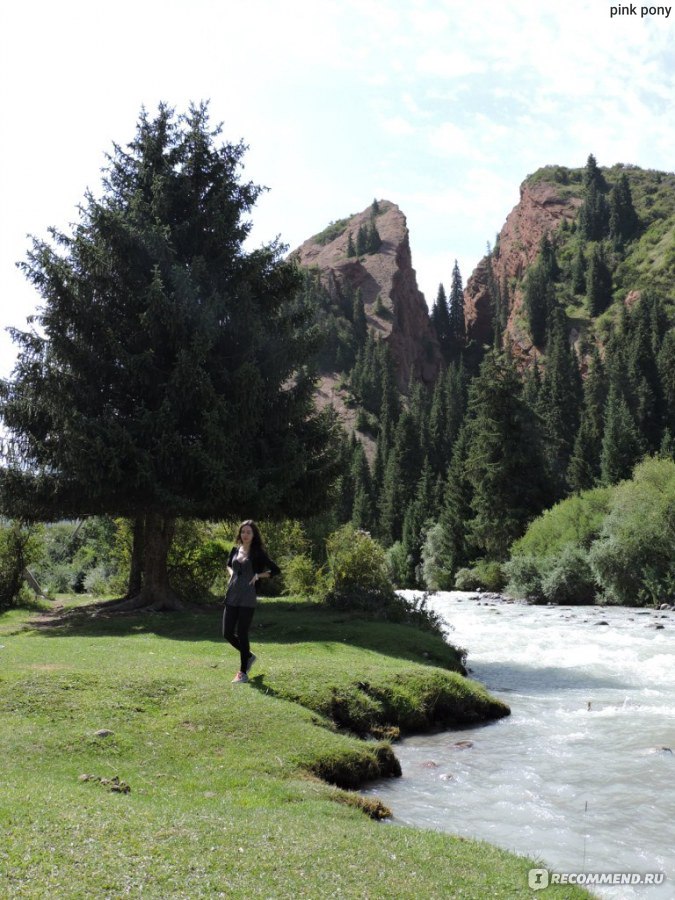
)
(581, 776)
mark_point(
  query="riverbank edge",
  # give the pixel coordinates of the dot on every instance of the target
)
(428, 691)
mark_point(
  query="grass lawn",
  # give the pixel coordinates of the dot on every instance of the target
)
(131, 766)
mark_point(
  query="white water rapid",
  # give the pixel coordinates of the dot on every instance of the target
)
(581, 775)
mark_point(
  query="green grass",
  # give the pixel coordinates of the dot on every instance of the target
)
(223, 797)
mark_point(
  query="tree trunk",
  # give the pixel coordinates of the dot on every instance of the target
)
(154, 591)
(136, 569)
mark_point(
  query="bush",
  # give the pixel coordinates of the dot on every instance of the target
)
(357, 580)
(397, 564)
(576, 521)
(19, 547)
(569, 578)
(484, 575)
(72, 550)
(436, 573)
(634, 556)
(300, 576)
(524, 577)
(97, 581)
(357, 569)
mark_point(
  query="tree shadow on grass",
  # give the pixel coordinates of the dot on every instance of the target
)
(276, 621)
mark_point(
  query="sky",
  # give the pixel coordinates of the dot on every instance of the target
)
(441, 106)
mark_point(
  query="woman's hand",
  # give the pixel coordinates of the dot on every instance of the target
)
(258, 576)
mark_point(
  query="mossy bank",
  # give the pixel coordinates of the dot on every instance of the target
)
(131, 766)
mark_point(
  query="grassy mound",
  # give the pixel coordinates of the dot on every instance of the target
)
(131, 765)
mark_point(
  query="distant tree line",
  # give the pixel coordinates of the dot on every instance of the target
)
(459, 470)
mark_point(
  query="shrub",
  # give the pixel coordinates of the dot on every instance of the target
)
(397, 564)
(357, 579)
(634, 557)
(97, 581)
(436, 572)
(466, 580)
(19, 547)
(300, 576)
(197, 560)
(357, 568)
(486, 575)
(524, 577)
(576, 520)
(569, 578)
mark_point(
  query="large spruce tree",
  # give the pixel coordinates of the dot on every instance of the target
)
(167, 375)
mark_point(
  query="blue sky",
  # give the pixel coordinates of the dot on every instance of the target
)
(442, 107)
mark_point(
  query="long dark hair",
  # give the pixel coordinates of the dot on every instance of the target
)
(257, 547)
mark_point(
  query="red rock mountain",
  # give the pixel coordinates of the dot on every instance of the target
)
(403, 319)
(541, 210)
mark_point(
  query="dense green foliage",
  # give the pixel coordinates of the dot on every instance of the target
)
(447, 317)
(19, 547)
(446, 477)
(165, 354)
(614, 543)
(459, 470)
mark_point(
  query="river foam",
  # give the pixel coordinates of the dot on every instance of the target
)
(581, 775)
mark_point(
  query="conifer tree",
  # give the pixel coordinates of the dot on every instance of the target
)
(362, 513)
(666, 364)
(594, 213)
(373, 240)
(539, 302)
(497, 315)
(581, 473)
(548, 259)
(579, 271)
(439, 450)
(456, 509)
(598, 282)
(379, 466)
(390, 403)
(359, 321)
(623, 219)
(456, 325)
(400, 477)
(644, 375)
(504, 463)
(584, 467)
(165, 351)
(505, 306)
(362, 241)
(560, 401)
(351, 249)
(421, 512)
(440, 318)
(418, 405)
(621, 445)
(344, 486)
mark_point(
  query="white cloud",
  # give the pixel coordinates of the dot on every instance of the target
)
(442, 106)
(398, 126)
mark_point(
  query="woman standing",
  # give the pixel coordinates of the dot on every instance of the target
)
(247, 564)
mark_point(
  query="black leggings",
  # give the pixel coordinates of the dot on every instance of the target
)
(236, 623)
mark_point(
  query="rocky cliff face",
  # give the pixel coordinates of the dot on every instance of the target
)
(400, 315)
(541, 210)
